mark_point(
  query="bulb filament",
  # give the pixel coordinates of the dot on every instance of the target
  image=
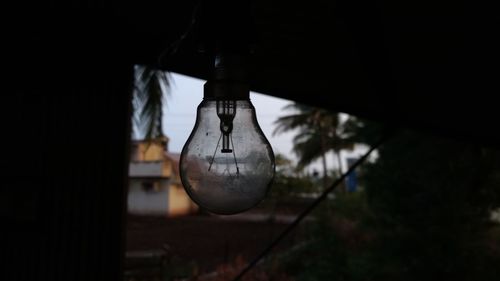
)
(226, 110)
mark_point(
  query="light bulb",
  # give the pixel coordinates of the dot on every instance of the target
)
(227, 164)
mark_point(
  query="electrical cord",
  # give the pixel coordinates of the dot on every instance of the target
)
(174, 47)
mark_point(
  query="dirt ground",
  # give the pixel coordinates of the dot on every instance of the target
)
(205, 240)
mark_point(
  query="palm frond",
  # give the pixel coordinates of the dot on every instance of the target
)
(308, 150)
(301, 118)
(303, 135)
(298, 107)
(318, 132)
(290, 122)
(150, 87)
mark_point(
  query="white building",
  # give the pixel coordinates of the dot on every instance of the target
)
(154, 182)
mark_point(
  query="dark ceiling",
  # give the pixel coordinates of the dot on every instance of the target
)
(430, 65)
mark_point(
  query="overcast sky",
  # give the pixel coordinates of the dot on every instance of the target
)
(186, 94)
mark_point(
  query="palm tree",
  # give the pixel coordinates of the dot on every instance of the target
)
(150, 85)
(320, 131)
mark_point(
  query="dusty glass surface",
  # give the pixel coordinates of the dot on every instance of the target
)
(230, 179)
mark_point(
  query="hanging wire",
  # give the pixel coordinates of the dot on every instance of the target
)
(172, 48)
(311, 207)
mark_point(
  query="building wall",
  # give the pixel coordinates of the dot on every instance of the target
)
(148, 202)
(167, 168)
(146, 169)
(150, 151)
(179, 202)
(167, 197)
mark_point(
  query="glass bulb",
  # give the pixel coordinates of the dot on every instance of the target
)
(227, 164)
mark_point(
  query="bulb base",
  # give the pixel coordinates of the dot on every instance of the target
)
(226, 90)
(229, 79)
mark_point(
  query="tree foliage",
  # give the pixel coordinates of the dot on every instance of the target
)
(319, 131)
(150, 87)
(424, 214)
(431, 200)
(290, 181)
